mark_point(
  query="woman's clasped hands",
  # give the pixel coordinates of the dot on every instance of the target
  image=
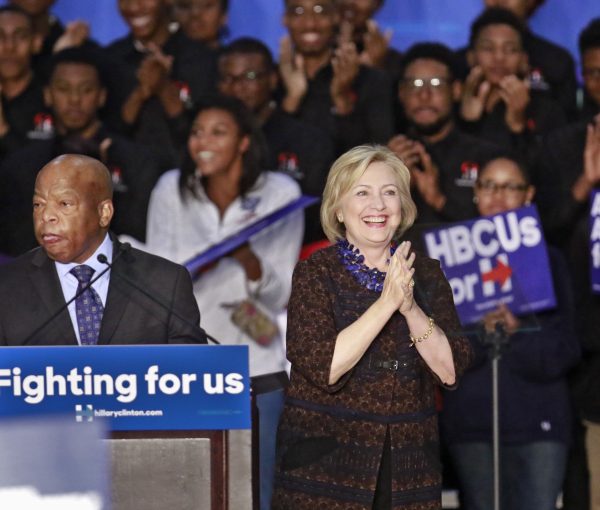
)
(399, 283)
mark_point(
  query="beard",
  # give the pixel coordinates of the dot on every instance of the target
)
(430, 129)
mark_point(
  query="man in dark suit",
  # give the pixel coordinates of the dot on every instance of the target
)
(142, 299)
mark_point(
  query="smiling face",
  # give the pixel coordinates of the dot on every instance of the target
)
(74, 93)
(215, 143)
(371, 209)
(311, 24)
(427, 95)
(499, 52)
(72, 207)
(247, 77)
(500, 187)
(145, 18)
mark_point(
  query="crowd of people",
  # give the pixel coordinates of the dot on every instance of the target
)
(203, 136)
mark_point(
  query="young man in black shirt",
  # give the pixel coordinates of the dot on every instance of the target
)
(570, 160)
(497, 103)
(162, 72)
(373, 46)
(443, 160)
(22, 113)
(328, 87)
(551, 68)
(301, 150)
(74, 94)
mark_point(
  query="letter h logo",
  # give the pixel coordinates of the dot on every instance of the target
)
(82, 414)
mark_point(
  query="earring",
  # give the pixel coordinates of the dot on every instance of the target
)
(475, 200)
(340, 218)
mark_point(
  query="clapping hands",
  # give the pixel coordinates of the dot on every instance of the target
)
(399, 283)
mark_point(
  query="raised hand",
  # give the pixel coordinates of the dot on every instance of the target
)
(408, 151)
(153, 72)
(475, 94)
(293, 75)
(76, 32)
(427, 181)
(345, 69)
(590, 176)
(376, 44)
(515, 94)
(591, 152)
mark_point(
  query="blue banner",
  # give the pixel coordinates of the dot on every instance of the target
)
(167, 387)
(493, 260)
(228, 244)
(595, 241)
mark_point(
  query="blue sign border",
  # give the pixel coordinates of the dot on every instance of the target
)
(217, 397)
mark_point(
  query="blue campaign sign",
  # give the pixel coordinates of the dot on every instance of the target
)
(595, 241)
(493, 260)
(166, 387)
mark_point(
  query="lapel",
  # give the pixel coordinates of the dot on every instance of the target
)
(44, 279)
(117, 298)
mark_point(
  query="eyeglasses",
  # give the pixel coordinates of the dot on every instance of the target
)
(414, 85)
(490, 187)
(247, 77)
(319, 10)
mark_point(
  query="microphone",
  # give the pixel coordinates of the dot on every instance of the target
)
(124, 248)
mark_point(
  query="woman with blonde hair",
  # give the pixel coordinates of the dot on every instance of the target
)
(371, 330)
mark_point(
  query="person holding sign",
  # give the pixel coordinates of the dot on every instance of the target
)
(372, 330)
(221, 189)
(534, 403)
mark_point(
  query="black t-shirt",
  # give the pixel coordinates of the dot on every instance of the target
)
(459, 158)
(543, 115)
(305, 153)
(27, 117)
(194, 72)
(559, 164)
(372, 119)
(552, 70)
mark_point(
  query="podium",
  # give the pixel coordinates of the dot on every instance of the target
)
(178, 416)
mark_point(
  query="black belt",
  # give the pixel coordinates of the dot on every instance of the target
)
(269, 382)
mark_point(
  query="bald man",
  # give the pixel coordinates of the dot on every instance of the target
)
(72, 210)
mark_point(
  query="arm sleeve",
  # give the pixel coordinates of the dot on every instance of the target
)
(311, 330)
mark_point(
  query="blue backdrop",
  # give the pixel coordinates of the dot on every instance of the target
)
(443, 20)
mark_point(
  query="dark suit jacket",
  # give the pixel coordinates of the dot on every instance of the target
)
(30, 294)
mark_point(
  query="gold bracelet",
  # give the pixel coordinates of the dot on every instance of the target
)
(418, 339)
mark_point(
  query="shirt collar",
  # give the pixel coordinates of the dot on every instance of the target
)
(105, 248)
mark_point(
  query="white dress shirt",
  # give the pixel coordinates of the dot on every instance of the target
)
(178, 230)
(69, 283)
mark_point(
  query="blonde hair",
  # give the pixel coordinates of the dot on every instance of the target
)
(347, 170)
